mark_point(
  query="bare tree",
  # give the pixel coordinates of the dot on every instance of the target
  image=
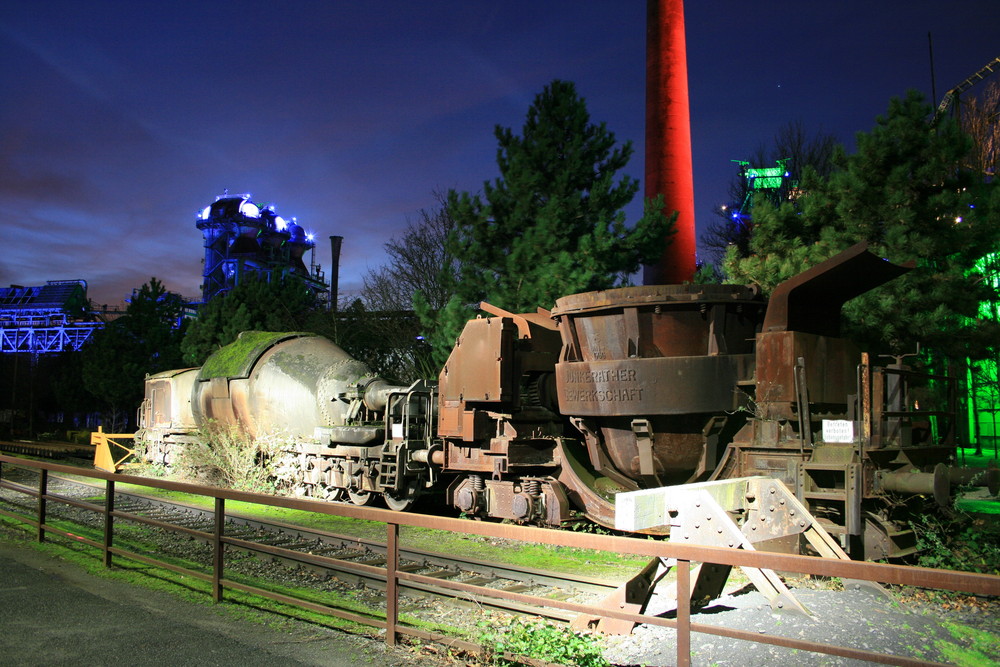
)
(381, 327)
(981, 120)
(418, 261)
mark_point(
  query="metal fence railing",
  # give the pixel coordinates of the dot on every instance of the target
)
(979, 584)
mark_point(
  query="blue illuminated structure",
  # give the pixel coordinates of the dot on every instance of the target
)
(242, 238)
(46, 319)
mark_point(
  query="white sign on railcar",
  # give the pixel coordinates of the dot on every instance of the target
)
(838, 430)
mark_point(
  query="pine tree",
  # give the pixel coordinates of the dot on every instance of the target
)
(906, 193)
(254, 304)
(551, 224)
(147, 339)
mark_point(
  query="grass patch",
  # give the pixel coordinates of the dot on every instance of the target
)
(236, 359)
(569, 560)
(978, 505)
(967, 457)
(972, 647)
(540, 641)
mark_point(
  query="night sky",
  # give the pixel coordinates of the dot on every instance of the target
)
(120, 121)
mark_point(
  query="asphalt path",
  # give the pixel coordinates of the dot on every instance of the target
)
(54, 613)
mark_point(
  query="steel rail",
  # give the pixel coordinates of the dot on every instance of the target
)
(522, 574)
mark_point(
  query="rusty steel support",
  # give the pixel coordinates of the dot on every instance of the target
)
(668, 138)
(391, 582)
(631, 598)
(43, 485)
(703, 514)
(109, 518)
(683, 613)
(865, 404)
(218, 549)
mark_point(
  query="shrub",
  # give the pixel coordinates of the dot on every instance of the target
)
(959, 542)
(225, 455)
(541, 641)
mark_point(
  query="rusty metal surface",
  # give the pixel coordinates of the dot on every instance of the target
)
(646, 370)
(168, 400)
(811, 301)
(936, 484)
(657, 386)
(658, 321)
(830, 369)
(486, 371)
(480, 365)
(292, 388)
(479, 369)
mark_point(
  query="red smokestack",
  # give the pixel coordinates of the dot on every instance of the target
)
(668, 137)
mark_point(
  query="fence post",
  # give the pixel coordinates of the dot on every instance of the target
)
(109, 508)
(391, 583)
(683, 613)
(43, 488)
(217, 549)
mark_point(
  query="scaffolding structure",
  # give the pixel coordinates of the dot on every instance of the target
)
(46, 319)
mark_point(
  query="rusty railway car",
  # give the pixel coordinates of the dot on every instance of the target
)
(539, 417)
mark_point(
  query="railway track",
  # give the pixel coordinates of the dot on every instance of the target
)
(345, 553)
(48, 450)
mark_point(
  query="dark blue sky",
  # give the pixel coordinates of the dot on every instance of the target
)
(120, 121)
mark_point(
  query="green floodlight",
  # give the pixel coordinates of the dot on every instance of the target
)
(766, 178)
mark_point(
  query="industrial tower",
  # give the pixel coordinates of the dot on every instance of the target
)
(242, 238)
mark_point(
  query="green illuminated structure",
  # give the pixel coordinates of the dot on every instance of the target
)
(776, 181)
(766, 178)
(983, 381)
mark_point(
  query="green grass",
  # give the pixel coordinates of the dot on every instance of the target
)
(235, 359)
(561, 559)
(972, 647)
(967, 457)
(977, 505)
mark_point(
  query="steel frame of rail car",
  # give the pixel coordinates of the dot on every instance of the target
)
(684, 555)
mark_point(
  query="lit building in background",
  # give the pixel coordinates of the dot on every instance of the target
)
(983, 378)
(243, 238)
(46, 319)
(774, 182)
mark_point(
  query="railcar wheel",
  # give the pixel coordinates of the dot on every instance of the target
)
(335, 494)
(360, 497)
(397, 504)
(400, 503)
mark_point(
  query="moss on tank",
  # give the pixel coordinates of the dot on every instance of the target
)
(236, 359)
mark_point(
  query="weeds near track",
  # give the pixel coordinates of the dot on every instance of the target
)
(225, 455)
